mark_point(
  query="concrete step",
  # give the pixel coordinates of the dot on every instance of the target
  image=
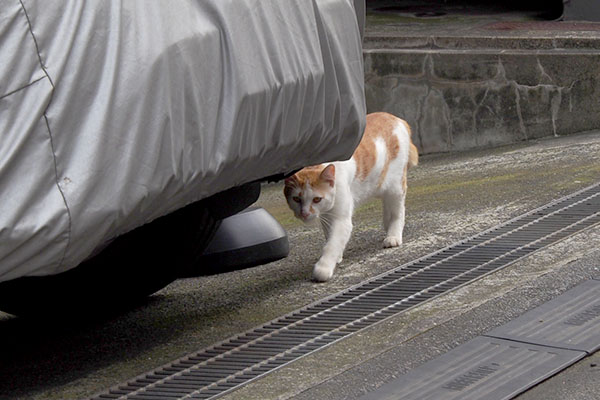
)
(475, 77)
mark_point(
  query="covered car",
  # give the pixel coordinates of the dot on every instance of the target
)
(115, 114)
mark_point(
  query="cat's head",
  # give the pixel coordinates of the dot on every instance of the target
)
(311, 192)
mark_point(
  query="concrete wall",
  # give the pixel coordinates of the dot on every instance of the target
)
(581, 10)
(463, 99)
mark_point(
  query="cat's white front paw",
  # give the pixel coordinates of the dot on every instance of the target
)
(392, 241)
(322, 272)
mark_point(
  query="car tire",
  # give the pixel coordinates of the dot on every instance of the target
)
(133, 265)
(130, 268)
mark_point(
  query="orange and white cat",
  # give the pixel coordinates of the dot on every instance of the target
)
(330, 192)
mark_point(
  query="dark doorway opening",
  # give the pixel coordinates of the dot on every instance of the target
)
(536, 9)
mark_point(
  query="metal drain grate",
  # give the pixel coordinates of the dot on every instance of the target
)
(221, 368)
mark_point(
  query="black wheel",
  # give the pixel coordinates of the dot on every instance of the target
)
(133, 266)
(130, 268)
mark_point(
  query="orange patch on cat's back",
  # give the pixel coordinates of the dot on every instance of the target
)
(379, 125)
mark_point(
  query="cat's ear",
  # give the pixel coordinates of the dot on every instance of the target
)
(292, 181)
(328, 174)
(290, 184)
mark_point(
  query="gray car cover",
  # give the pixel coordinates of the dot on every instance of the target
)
(116, 112)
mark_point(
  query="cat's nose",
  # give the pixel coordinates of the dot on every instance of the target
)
(304, 214)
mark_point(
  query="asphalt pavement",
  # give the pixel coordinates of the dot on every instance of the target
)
(474, 191)
(451, 196)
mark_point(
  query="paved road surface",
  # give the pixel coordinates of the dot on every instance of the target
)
(450, 197)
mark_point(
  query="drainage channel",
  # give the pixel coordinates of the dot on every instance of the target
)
(222, 368)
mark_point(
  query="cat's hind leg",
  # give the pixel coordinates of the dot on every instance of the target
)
(393, 217)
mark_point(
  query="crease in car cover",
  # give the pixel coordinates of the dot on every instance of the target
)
(115, 113)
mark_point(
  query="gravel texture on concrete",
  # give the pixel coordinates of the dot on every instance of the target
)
(451, 196)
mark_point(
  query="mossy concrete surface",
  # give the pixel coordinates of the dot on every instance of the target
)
(451, 196)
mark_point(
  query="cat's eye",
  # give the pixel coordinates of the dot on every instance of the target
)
(297, 199)
(317, 199)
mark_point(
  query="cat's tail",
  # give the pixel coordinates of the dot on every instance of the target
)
(413, 155)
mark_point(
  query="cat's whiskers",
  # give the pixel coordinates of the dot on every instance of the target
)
(328, 218)
(325, 222)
